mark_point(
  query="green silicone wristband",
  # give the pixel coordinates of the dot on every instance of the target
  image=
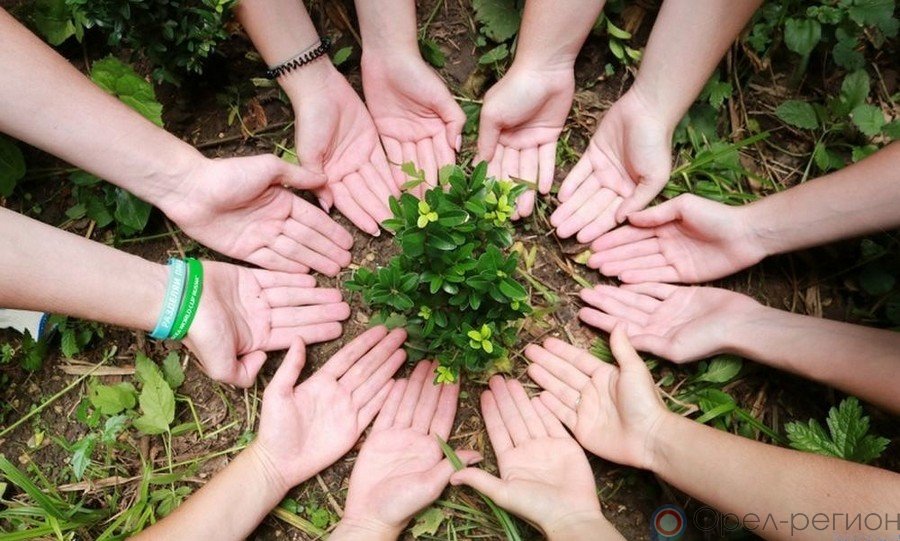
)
(191, 301)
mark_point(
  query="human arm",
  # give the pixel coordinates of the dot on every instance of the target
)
(334, 131)
(524, 113)
(415, 114)
(690, 239)
(401, 469)
(303, 429)
(544, 475)
(237, 206)
(629, 158)
(620, 417)
(242, 312)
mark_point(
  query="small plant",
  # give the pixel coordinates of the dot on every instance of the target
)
(454, 284)
(848, 434)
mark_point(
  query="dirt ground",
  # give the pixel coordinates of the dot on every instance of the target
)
(803, 282)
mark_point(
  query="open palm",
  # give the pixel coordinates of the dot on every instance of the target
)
(244, 313)
(678, 323)
(522, 117)
(416, 116)
(336, 135)
(688, 239)
(625, 165)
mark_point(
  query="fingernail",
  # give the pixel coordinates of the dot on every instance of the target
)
(377, 233)
(458, 142)
(323, 205)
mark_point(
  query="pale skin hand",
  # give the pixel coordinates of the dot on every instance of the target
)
(245, 312)
(235, 206)
(681, 324)
(525, 112)
(335, 133)
(303, 429)
(688, 239)
(544, 474)
(619, 409)
(401, 469)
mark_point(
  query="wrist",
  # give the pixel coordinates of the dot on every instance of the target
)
(577, 526)
(357, 527)
(315, 77)
(743, 326)
(269, 471)
(665, 434)
(664, 108)
(761, 236)
(147, 293)
(542, 66)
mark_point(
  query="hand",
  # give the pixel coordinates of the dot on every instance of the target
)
(625, 165)
(401, 469)
(688, 239)
(305, 428)
(544, 475)
(335, 134)
(681, 324)
(613, 412)
(416, 116)
(241, 208)
(245, 312)
(522, 117)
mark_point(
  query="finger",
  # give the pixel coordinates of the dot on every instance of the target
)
(495, 166)
(512, 419)
(577, 357)
(598, 319)
(268, 258)
(577, 175)
(364, 393)
(362, 369)
(317, 220)
(624, 353)
(443, 153)
(312, 334)
(341, 361)
(442, 422)
(565, 211)
(300, 296)
(604, 222)
(559, 368)
(488, 137)
(483, 482)
(351, 209)
(285, 377)
(409, 156)
(658, 274)
(388, 411)
(645, 304)
(547, 167)
(404, 416)
(272, 279)
(427, 403)
(366, 198)
(559, 410)
(291, 249)
(566, 394)
(659, 291)
(617, 308)
(379, 162)
(591, 208)
(425, 153)
(621, 236)
(246, 369)
(284, 173)
(394, 151)
(532, 422)
(528, 171)
(299, 316)
(381, 188)
(455, 119)
(325, 197)
(493, 423)
(439, 475)
(628, 251)
(371, 409)
(510, 166)
(616, 268)
(552, 425)
(655, 344)
(654, 216)
(524, 205)
(642, 196)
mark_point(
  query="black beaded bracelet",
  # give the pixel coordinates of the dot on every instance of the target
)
(301, 59)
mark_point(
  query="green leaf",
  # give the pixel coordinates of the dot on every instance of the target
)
(868, 118)
(802, 35)
(892, 129)
(172, 371)
(113, 399)
(157, 401)
(131, 211)
(12, 165)
(513, 289)
(428, 522)
(825, 159)
(848, 436)
(872, 12)
(342, 55)
(432, 53)
(81, 455)
(120, 80)
(722, 369)
(876, 280)
(53, 19)
(496, 54)
(499, 18)
(855, 89)
(798, 114)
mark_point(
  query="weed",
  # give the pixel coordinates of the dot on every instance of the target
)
(848, 434)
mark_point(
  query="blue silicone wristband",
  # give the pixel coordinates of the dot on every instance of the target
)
(172, 301)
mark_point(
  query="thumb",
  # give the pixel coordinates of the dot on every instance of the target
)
(438, 476)
(483, 482)
(623, 351)
(655, 216)
(488, 136)
(301, 178)
(247, 367)
(455, 119)
(652, 343)
(326, 198)
(286, 376)
(645, 191)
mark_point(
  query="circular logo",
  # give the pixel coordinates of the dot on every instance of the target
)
(668, 523)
